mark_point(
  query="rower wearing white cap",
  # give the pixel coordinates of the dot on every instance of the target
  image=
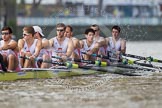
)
(44, 52)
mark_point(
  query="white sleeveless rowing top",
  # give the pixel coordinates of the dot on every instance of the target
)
(113, 47)
(30, 49)
(85, 46)
(57, 48)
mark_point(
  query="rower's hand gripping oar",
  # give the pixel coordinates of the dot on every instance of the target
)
(149, 59)
(67, 64)
(97, 62)
(102, 56)
(95, 55)
(127, 61)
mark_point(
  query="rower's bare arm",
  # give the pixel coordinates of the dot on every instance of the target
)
(20, 44)
(96, 48)
(123, 46)
(45, 43)
(81, 44)
(38, 48)
(102, 42)
(76, 43)
(51, 42)
(70, 48)
(12, 45)
(107, 41)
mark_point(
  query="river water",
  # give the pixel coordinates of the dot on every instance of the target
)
(94, 91)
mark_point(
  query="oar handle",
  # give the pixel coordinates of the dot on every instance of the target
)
(96, 55)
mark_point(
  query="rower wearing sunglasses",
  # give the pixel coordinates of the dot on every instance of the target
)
(29, 48)
(8, 50)
(60, 45)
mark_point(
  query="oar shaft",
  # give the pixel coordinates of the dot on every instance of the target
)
(95, 55)
(135, 56)
(156, 60)
(143, 58)
(143, 64)
(97, 62)
(76, 60)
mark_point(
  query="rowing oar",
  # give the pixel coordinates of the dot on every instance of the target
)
(96, 62)
(67, 64)
(99, 66)
(128, 61)
(149, 59)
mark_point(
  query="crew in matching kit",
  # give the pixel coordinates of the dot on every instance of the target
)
(33, 46)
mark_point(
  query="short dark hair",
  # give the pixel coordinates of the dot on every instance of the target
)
(116, 27)
(89, 30)
(7, 28)
(95, 25)
(71, 28)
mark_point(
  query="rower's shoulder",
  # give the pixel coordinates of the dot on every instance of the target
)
(101, 37)
(107, 39)
(123, 40)
(13, 41)
(21, 41)
(44, 39)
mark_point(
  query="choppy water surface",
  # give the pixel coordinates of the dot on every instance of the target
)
(94, 91)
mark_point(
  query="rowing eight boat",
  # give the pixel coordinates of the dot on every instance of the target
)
(34, 73)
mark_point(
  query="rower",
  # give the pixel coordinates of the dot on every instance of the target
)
(9, 50)
(89, 45)
(101, 40)
(29, 48)
(44, 53)
(115, 44)
(76, 54)
(61, 45)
